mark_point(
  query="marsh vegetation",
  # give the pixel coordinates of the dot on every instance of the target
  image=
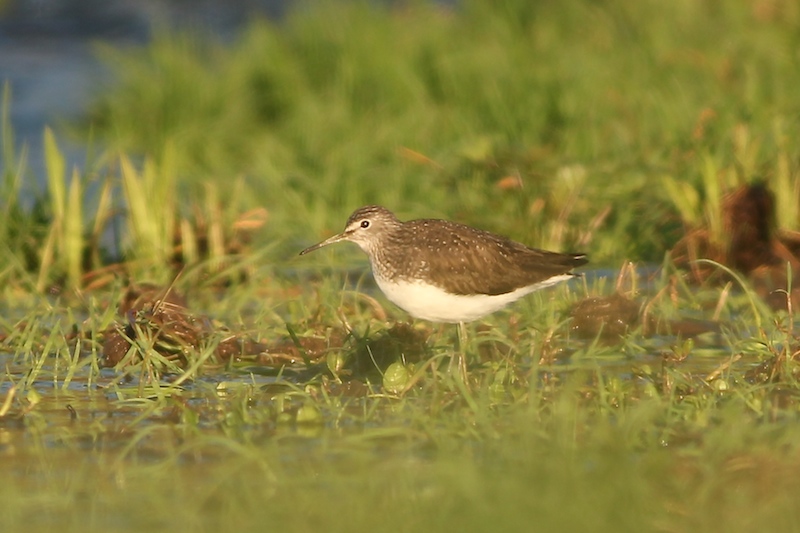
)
(171, 364)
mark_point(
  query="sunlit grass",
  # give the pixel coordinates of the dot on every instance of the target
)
(594, 127)
(472, 111)
(83, 231)
(550, 431)
(591, 128)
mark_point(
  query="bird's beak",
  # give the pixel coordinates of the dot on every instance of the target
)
(331, 240)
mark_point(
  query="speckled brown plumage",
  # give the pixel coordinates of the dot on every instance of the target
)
(456, 258)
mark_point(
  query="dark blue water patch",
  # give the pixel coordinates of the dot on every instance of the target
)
(123, 20)
(47, 56)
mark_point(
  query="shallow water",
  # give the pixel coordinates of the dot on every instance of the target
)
(240, 446)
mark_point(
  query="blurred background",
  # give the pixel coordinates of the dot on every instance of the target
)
(214, 128)
(47, 51)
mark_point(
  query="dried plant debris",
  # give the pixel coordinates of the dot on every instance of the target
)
(749, 241)
(313, 348)
(611, 317)
(158, 318)
(606, 316)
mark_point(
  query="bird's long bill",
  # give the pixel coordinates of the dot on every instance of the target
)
(326, 242)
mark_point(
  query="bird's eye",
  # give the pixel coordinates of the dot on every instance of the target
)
(365, 224)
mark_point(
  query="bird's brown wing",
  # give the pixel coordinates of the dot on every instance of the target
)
(478, 262)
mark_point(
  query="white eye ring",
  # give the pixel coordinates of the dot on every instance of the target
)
(365, 224)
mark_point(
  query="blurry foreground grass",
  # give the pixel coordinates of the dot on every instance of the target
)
(522, 468)
(554, 430)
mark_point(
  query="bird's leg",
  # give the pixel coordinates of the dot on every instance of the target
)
(461, 356)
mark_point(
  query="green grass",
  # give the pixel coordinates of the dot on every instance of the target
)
(426, 109)
(604, 127)
(601, 128)
(117, 220)
(640, 434)
(535, 478)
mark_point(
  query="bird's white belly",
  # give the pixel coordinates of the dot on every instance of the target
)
(429, 302)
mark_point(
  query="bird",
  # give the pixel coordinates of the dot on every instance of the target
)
(443, 271)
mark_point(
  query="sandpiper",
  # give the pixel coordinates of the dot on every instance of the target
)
(443, 271)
